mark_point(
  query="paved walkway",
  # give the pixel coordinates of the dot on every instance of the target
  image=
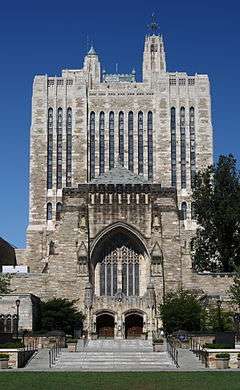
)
(39, 361)
(188, 361)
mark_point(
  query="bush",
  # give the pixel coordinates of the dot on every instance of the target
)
(4, 356)
(216, 346)
(71, 340)
(181, 310)
(60, 314)
(12, 345)
(223, 355)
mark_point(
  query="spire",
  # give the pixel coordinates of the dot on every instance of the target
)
(92, 51)
(153, 26)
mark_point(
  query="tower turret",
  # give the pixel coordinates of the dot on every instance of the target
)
(92, 67)
(154, 63)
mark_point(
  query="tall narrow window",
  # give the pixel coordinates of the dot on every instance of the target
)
(101, 143)
(111, 140)
(140, 143)
(49, 211)
(69, 148)
(192, 145)
(183, 147)
(49, 148)
(150, 144)
(58, 211)
(130, 141)
(173, 147)
(184, 210)
(121, 137)
(59, 147)
(92, 145)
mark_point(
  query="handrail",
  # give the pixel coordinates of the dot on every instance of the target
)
(172, 351)
(53, 354)
(199, 351)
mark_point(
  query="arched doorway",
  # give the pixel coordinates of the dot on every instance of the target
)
(133, 326)
(105, 326)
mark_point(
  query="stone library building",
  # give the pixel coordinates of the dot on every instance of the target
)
(112, 166)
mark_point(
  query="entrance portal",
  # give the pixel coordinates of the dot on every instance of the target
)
(105, 326)
(133, 326)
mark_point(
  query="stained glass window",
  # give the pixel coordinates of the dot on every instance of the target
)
(49, 148)
(130, 141)
(183, 147)
(111, 140)
(150, 145)
(121, 137)
(49, 211)
(192, 145)
(92, 145)
(101, 143)
(59, 147)
(173, 147)
(69, 148)
(140, 142)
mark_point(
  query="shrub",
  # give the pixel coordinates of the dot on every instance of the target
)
(72, 340)
(4, 356)
(223, 355)
(216, 346)
(60, 314)
(12, 345)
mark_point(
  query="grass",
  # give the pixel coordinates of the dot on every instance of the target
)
(120, 381)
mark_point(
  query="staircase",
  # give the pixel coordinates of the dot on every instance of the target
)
(114, 355)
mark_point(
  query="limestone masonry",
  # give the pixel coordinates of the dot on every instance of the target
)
(112, 164)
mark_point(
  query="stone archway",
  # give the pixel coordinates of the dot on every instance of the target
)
(133, 326)
(119, 262)
(105, 326)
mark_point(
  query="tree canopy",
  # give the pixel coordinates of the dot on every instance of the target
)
(216, 199)
(60, 314)
(181, 310)
(5, 281)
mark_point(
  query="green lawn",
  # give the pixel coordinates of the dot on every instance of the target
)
(112, 381)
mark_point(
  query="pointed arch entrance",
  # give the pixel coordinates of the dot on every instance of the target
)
(105, 326)
(133, 325)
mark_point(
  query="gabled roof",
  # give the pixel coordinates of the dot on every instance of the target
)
(119, 175)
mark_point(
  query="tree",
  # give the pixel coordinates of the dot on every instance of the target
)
(234, 289)
(5, 281)
(216, 197)
(60, 314)
(181, 310)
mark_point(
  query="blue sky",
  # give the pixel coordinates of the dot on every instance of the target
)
(44, 37)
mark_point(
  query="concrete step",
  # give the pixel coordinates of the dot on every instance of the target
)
(113, 361)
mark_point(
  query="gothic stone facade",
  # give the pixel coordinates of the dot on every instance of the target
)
(112, 162)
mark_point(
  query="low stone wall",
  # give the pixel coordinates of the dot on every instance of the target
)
(18, 357)
(211, 357)
(44, 341)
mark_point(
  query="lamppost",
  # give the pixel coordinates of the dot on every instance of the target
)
(220, 324)
(17, 305)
